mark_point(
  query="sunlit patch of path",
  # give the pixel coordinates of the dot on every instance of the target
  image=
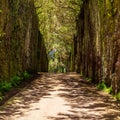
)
(60, 97)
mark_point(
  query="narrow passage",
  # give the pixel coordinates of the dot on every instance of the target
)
(60, 97)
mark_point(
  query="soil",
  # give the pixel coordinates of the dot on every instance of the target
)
(60, 97)
(17, 89)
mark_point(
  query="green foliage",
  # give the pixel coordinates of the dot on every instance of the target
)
(25, 75)
(1, 98)
(100, 3)
(15, 81)
(2, 34)
(117, 96)
(57, 23)
(6, 85)
(104, 87)
(56, 66)
(89, 79)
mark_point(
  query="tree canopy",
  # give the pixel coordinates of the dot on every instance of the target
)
(57, 24)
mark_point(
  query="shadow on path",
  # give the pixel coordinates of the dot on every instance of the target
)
(60, 97)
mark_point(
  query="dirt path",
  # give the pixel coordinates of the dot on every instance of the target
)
(60, 97)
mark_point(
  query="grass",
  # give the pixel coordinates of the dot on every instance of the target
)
(7, 85)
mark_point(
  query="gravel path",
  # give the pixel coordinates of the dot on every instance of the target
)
(60, 97)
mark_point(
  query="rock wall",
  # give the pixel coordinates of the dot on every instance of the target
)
(97, 43)
(19, 38)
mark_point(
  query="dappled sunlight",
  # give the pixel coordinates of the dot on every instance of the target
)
(60, 97)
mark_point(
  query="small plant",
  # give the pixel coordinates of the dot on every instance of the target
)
(89, 79)
(104, 87)
(81, 73)
(5, 86)
(117, 96)
(26, 75)
(1, 96)
(108, 90)
(16, 80)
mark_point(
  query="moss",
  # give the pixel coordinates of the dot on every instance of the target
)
(97, 44)
(18, 27)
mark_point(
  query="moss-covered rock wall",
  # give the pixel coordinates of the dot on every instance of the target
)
(19, 38)
(97, 45)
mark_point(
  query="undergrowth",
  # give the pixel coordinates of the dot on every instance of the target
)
(89, 79)
(104, 87)
(7, 85)
(117, 96)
